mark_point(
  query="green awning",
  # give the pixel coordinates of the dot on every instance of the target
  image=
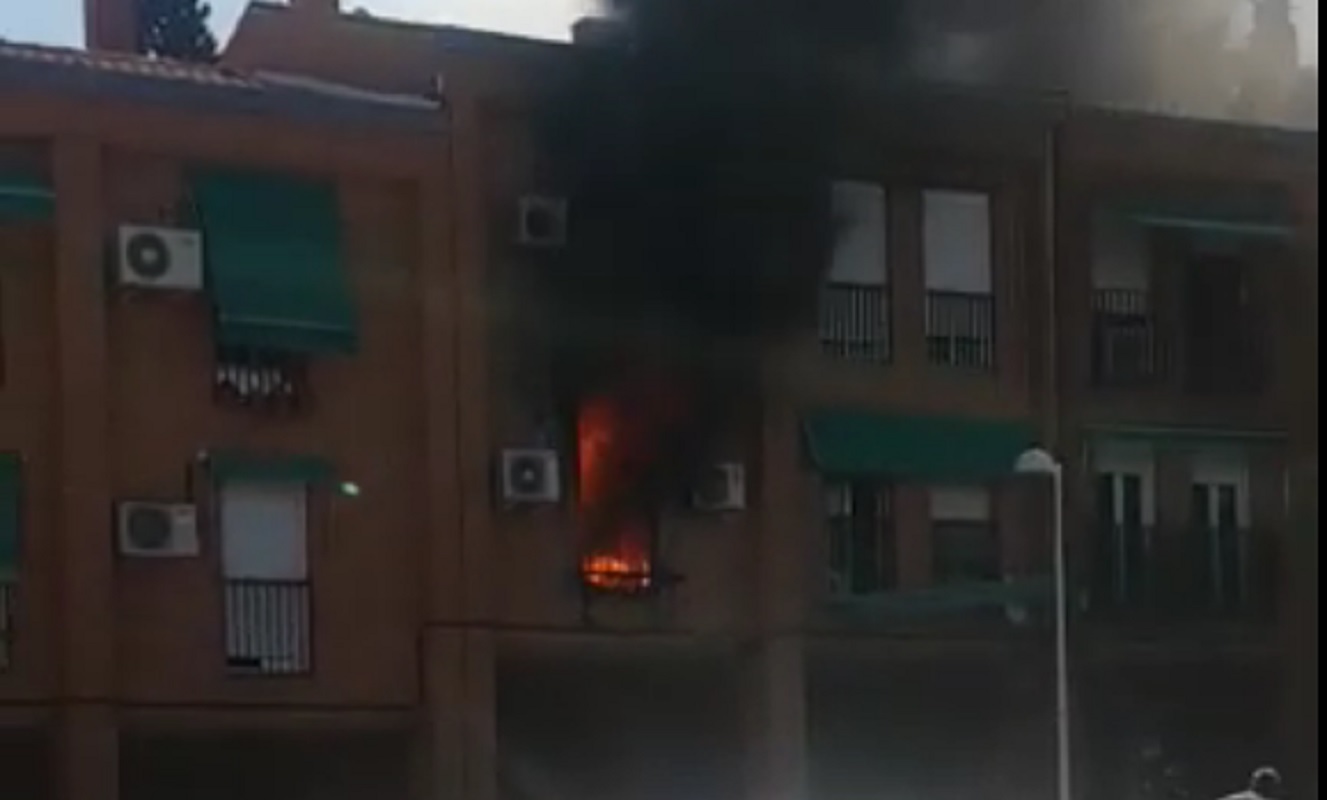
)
(274, 263)
(232, 465)
(24, 196)
(958, 598)
(851, 443)
(10, 492)
(1236, 214)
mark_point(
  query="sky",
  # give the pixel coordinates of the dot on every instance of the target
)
(60, 21)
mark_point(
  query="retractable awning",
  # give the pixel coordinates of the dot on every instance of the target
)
(274, 263)
(25, 196)
(852, 443)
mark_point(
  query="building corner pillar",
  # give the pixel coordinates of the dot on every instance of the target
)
(456, 754)
(87, 753)
(86, 735)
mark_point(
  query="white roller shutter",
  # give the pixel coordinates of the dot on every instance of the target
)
(263, 532)
(860, 256)
(1120, 257)
(957, 241)
(960, 504)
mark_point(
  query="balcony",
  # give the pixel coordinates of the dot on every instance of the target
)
(265, 383)
(268, 627)
(8, 594)
(855, 322)
(1147, 577)
(992, 609)
(960, 330)
(1126, 349)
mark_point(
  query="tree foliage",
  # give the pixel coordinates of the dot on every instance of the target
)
(176, 29)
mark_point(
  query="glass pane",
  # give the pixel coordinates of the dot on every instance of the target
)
(1106, 498)
(865, 566)
(1228, 559)
(1131, 491)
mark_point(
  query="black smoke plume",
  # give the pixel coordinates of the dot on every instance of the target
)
(695, 142)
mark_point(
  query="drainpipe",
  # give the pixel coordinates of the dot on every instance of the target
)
(1050, 254)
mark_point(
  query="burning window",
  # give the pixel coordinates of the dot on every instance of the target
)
(617, 528)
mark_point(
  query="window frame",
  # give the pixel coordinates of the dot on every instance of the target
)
(947, 526)
(882, 521)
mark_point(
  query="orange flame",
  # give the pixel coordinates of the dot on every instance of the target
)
(617, 436)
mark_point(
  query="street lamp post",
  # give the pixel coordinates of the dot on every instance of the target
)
(1039, 462)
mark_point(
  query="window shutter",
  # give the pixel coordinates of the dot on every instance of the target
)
(957, 242)
(960, 504)
(1120, 254)
(860, 255)
(263, 531)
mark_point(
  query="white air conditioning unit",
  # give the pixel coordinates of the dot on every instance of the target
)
(159, 258)
(157, 530)
(530, 476)
(720, 487)
(541, 221)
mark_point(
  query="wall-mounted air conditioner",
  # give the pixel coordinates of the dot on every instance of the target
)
(529, 476)
(159, 258)
(720, 487)
(157, 530)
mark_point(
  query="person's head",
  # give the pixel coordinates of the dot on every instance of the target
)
(1266, 782)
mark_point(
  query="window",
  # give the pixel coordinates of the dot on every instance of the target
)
(964, 544)
(277, 283)
(960, 312)
(862, 551)
(1125, 517)
(1124, 331)
(1222, 345)
(854, 301)
(1220, 515)
(264, 557)
(254, 379)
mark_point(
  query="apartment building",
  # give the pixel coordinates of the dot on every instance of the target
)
(211, 477)
(386, 590)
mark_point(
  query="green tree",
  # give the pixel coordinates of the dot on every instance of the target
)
(176, 29)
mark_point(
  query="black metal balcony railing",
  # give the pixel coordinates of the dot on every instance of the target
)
(1126, 349)
(268, 627)
(1146, 574)
(8, 593)
(960, 329)
(855, 322)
